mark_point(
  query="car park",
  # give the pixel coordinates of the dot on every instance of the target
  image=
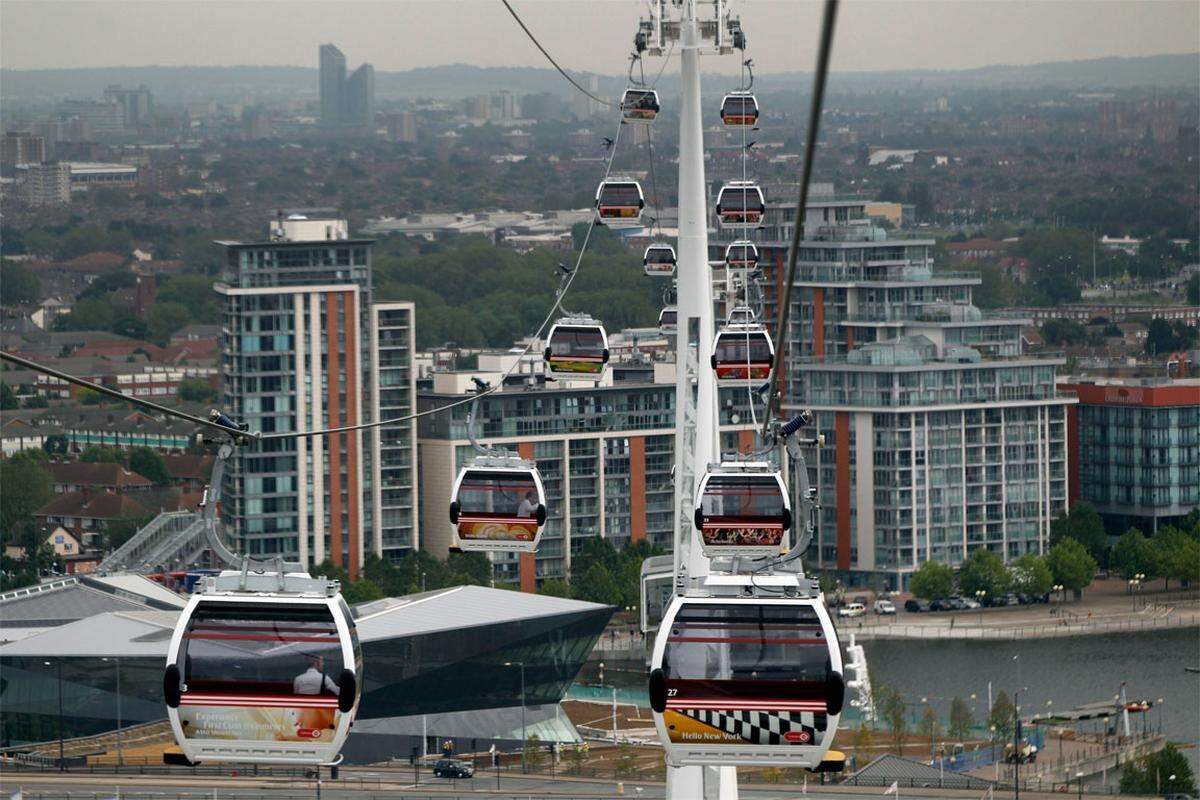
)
(453, 768)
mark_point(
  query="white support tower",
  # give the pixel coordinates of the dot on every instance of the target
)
(697, 440)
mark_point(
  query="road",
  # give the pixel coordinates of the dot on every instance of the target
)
(366, 785)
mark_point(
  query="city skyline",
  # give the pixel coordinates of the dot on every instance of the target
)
(50, 36)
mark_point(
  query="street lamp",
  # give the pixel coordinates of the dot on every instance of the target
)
(1161, 710)
(1079, 783)
(524, 740)
(61, 755)
(120, 753)
(979, 595)
(1058, 587)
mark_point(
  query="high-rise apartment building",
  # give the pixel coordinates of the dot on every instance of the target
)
(137, 105)
(297, 329)
(347, 103)
(942, 436)
(360, 98)
(605, 454)
(402, 127)
(45, 184)
(1135, 449)
(333, 82)
(22, 148)
(393, 344)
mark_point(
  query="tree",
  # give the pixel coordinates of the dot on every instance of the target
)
(626, 764)
(577, 756)
(891, 709)
(87, 315)
(1178, 554)
(24, 488)
(1134, 554)
(21, 285)
(533, 753)
(1071, 564)
(8, 398)
(107, 455)
(362, 590)
(984, 570)
(1083, 525)
(597, 586)
(961, 719)
(149, 464)
(1193, 290)
(118, 531)
(864, 738)
(163, 319)
(1031, 575)
(56, 445)
(1001, 719)
(932, 581)
(1152, 774)
(555, 587)
(929, 727)
(196, 390)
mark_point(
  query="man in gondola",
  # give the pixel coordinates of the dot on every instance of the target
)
(314, 679)
(528, 507)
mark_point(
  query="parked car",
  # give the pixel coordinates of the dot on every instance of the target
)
(453, 768)
(941, 604)
(916, 606)
(885, 607)
(971, 603)
(1010, 599)
(863, 599)
(956, 603)
(852, 610)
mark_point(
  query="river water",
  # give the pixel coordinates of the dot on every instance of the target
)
(1068, 672)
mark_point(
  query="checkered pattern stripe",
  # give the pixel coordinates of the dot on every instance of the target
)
(762, 727)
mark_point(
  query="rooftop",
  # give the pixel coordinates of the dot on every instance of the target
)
(82, 473)
(86, 505)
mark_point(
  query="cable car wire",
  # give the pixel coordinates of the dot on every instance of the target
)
(550, 58)
(814, 119)
(110, 392)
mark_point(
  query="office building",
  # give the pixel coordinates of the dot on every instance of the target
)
(942, 436)
(137, 105)
(441, 665)
(605, 454)
(347, 102)
(22, 148)
(45, 184)
(296, 332)
(1135, 449)
(88, 118)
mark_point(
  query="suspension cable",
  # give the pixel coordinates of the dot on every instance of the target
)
(814, 119)
(550, 58)
(110, 392)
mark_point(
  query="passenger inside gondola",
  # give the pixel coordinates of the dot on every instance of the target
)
(492, 505)
(743, 510)
(314, 680)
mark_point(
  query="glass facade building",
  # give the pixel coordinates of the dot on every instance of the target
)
(1135, 450)
(437, 654)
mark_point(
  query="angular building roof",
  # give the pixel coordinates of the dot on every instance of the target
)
(86, 505)
(83, 473)
(889, 767)
(455, 608)
(57, 604)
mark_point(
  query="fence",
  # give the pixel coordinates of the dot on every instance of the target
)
(1062, 627)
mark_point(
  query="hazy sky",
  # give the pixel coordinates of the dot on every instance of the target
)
(593, 36)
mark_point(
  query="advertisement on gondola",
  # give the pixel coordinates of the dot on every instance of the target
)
(297, 719)
(732, 727)
(740, 536)
(507, 530)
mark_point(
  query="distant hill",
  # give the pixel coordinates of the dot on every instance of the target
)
(184, 84)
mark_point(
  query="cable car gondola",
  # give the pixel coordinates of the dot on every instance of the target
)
(619, 202)
(742, 509)
(659, 260)
(739, 110)
(498, 504)
(740, 204)
(640, 105)
(576, 348)
(742, 352)
(268, 677)
(668, 319)
(741, 255)
(746, 681)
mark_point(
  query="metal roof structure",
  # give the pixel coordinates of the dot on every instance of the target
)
(455, 608)
(35, 610)
(889, 767)
(129, 634)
